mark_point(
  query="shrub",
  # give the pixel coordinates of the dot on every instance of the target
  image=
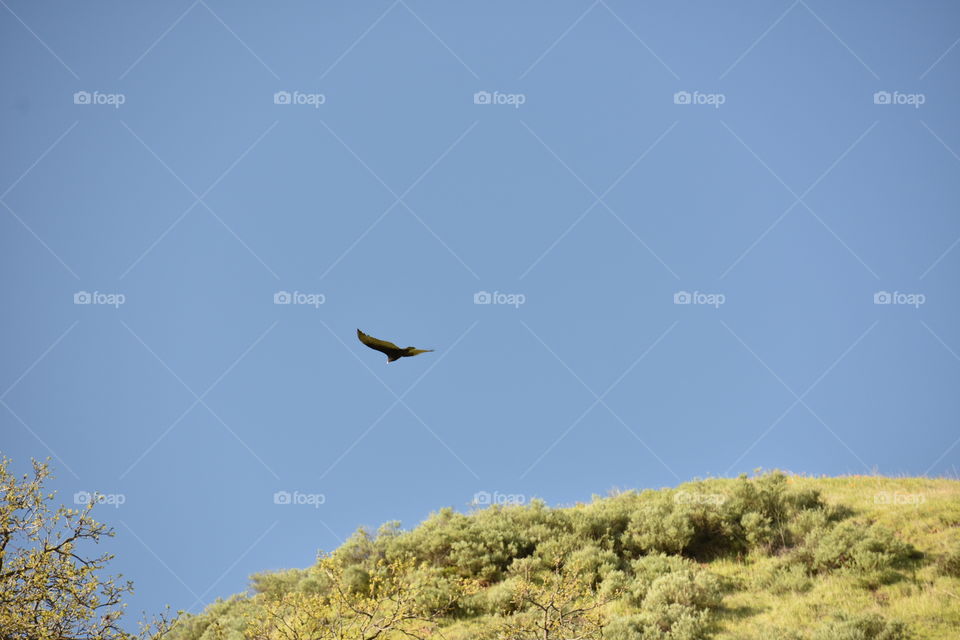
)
(648, 569)
(672, 622)
(659, 526)
(862, 627)
(849, 545)
(698, 522)
(696, 589)
(785, 577)
(949, 564)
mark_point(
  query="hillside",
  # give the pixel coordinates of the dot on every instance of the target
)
(776, 556)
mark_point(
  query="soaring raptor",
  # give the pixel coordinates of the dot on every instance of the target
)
(392, 351)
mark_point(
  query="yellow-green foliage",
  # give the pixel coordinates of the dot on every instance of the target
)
(773, 556)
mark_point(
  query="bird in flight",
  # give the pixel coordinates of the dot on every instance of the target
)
(392, 351)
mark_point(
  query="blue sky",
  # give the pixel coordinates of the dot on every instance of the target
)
(157, 194)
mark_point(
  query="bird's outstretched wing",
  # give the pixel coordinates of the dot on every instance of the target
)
(379, 345)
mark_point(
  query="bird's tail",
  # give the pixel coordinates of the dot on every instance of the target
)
(419, 351)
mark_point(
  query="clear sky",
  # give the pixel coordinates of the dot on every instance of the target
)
(147, 162)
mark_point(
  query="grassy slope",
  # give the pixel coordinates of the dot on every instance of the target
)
(923, 512)
(929, 602)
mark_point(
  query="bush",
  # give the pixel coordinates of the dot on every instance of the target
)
(849, 545)
(862, 627)
(696, 589)
(698, 522)
(648, 569)
(949, 564)
(671, 622)
(784, 578)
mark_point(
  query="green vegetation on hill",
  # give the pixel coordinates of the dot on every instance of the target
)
(775, 556)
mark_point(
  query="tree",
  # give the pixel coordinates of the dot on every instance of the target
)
(388, 601)
(558, 603)
(49, 588)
